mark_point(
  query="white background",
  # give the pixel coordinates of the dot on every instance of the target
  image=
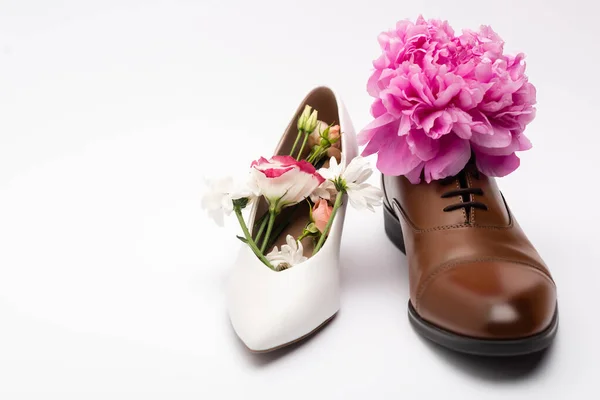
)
(111, 276)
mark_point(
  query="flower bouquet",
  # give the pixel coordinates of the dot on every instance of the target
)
(297, 193)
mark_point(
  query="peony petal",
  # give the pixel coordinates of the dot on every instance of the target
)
(437, 124)
(483, 71)
(372, 84)
(414, 176)
(394, 157)
(463, 131)
(442, 126)
(452, 157)
(371, 129)
(444, 97)
(524, 142)
(390, 101)
(422, 145)
(417, 82)
(404, 127)
(500, 138)
(378, 109)
(496, 165)
(381, 137)
(428, 121)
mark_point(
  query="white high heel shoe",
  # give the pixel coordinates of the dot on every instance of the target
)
(270, 309)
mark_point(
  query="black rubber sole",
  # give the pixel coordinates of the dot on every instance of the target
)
(466, 344)
(393, 229)
(483, 347)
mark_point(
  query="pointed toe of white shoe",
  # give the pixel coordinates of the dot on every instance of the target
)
(269, 309)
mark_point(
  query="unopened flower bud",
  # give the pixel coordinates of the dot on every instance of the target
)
(304, 118)
(312, 122)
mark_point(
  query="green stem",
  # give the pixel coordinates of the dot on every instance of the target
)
(304, 234)
(272, 215)
(263, 225)
(302, 148)
(336, 206)
(251, 243)
(319, 156)
(295, 143)
(281, 225)
(312, 156)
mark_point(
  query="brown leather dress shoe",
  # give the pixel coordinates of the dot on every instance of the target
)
(477, 284)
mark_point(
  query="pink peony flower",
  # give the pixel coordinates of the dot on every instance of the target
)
(283, 181)
(441, 97)
(321, 214)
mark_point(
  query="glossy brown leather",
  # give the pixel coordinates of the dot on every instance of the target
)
(475, 275)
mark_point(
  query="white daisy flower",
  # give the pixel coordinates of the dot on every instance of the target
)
(352, 179)
(290, 254)
(218, 199)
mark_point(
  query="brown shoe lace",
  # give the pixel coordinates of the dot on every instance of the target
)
(464, 191)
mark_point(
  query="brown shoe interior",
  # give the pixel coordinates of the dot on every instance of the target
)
(292, 220)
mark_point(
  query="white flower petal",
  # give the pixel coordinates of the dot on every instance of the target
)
(364, 175)
(364, 195)
(353, 170)
(357, 200)
(227, 205)
(289, 239)
(217, 216)
(291, 253)
(273, 254)
(357, 171)
(333, 171)
(222, 185)
(211, 201)
(218, 199)
(325, 191)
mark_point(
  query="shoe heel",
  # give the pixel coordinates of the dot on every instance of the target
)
(393, 229)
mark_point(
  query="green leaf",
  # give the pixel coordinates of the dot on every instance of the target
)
(243, 239)
(241, 203)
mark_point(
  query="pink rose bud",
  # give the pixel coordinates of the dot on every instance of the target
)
(321, 214)
(334, 135)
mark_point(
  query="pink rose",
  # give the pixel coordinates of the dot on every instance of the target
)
(321, 214)
(283, 181)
